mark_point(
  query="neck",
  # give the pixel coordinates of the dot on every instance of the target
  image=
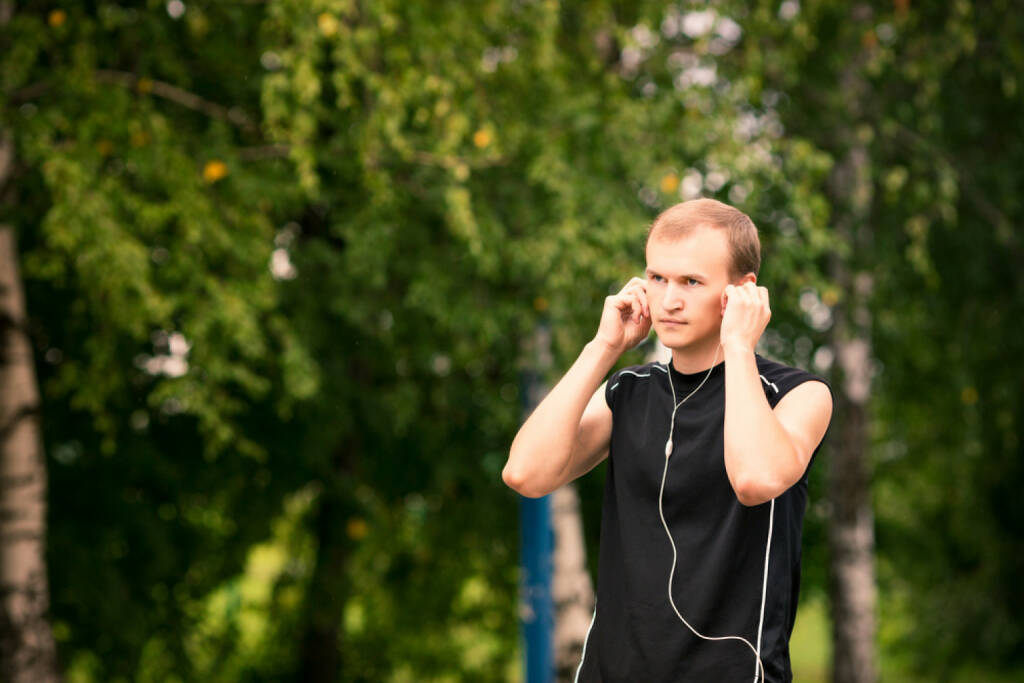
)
(691, 360)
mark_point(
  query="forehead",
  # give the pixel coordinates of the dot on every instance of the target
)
(704, 249)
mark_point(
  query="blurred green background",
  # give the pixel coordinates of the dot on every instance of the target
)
(283, 259)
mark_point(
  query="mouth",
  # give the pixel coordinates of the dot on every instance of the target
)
(666, 321)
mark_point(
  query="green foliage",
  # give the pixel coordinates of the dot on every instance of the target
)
(284, 261)
(146, 236)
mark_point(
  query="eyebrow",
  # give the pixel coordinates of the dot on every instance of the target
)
(684, 276)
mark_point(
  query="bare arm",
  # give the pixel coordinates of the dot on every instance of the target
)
(766, 450)
(568, 433)
(542, 455)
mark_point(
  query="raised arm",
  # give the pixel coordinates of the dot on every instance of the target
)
(568, 433)
(766, 450)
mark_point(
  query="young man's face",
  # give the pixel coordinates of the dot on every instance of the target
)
(685, 280)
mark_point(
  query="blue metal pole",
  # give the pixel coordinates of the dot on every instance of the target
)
(537, 612)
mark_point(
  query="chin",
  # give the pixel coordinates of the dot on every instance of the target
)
(678, 339)
(674, 340)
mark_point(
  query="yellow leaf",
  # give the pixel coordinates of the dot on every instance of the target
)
(214, 170)
(105, 147)
(144, 85)
(57, 18)
(482, 138)
(669, 183)
(328, 24)
(357, 528)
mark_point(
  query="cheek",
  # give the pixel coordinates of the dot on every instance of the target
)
(654, 296)
(710, 303)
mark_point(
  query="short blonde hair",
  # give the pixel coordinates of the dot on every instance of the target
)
(680, 220)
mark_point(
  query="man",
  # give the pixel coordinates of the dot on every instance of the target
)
(707, 463)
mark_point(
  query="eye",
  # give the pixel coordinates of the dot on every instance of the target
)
(691, 281)
(656, 278)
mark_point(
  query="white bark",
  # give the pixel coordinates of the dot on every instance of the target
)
(27, 650)
(851, 540)
(571, 588)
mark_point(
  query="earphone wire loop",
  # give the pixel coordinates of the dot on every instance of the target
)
(661, 513)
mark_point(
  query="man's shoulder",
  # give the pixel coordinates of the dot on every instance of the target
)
(636, 372)
(779, 378)
(631, 374)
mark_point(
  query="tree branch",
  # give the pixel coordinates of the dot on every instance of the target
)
(146, 85)
(179, 96)
(263, 152)
(987, 209)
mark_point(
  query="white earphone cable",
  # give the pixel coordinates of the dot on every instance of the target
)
(771, 515)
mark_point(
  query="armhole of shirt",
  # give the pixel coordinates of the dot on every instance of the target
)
(779, 385)
(609, 387)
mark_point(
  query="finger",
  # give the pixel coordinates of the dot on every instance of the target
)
(638, 307)
(625, 303)
(633, 282)
(628, 292)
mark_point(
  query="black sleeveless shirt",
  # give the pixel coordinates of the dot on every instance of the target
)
(718, 584)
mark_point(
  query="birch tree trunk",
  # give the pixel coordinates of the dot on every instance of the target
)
(27, 652)
(851, 541)
(571, 588)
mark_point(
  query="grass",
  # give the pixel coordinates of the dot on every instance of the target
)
(810, 645)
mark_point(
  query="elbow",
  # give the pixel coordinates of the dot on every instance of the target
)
(512, 478)
(516, 481)
(750, 491)
(757, 483)
(521, 483)
(749, 498)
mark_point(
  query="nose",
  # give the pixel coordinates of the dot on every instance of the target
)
(673, 297)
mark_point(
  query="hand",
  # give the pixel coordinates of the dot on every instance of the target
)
(745, 315)
(626, 318)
